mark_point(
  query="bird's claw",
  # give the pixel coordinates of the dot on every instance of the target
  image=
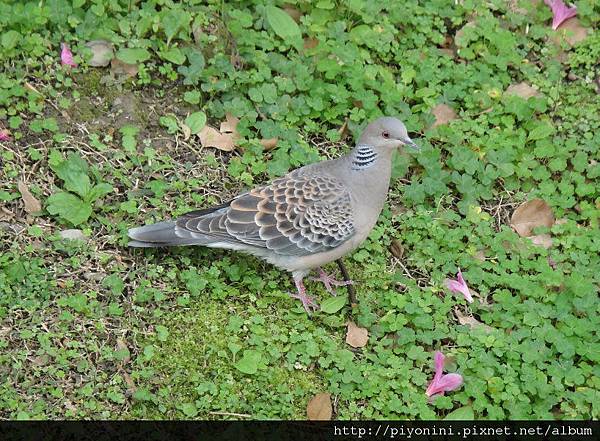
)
(330, 282)
(308, 302)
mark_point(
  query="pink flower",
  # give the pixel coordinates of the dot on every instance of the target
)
(442, 383)
(459, 285)
(66, 56)
(560, 12)
(4, 135)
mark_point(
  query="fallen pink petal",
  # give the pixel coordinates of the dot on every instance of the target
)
(66, 56)
(4, 135)
(459, 285)
(442, 383)
(560, 12)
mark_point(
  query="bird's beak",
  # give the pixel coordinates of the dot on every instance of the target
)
(409, 142)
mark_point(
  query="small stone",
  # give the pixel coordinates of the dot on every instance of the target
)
(72, 234)
(12, 228)
(102, 53)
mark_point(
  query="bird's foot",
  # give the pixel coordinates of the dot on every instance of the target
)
(308, 302)
(330, 282)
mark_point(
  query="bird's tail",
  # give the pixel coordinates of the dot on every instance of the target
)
(161, 234)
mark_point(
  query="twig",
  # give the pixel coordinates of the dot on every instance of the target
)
(351, 290)
(241, 415)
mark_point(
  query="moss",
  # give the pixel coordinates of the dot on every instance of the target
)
(196, 355)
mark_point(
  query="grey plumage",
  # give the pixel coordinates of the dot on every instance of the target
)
(298, 222)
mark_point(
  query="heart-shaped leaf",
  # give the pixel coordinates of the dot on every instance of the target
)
(462, 413)
(69, 207)
(196, 122)
(284, 26)
(133, 55)
(333, 304)
(248, 364)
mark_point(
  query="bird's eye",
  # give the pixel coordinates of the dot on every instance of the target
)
(386, 135)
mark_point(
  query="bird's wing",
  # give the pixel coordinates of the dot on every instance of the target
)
(296, 215)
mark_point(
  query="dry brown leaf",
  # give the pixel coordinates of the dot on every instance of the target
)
(118, 68)
(131, 388)
(230, 124)
(397, 249)
(356, 336)
(443, 114)
(542, 240)
(310, 43)
(570, 31)
(211, 137)
(33, 89)
(187, 132)
(319, 407)
(293, 12)
(470, 321)
(343, 130)
(522, 89)
(269, 144)
(531, 214)
(32, 205)
(224, 138)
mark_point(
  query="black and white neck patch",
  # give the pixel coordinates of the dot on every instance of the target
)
(364, 157)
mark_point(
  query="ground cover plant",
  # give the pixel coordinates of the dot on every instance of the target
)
(115, 113)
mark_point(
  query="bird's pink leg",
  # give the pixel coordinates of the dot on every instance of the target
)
(329, 281)
(308, 303)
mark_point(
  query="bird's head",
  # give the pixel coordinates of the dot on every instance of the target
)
(387, 132)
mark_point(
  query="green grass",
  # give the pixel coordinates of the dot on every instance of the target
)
(92, 329)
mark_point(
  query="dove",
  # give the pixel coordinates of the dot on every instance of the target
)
(301, 221)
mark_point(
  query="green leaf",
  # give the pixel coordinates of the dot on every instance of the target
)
(10, 39)
(234, 347)
(248, 364)
(541, 131)
(174, 55)
(192, 96)
(133, 55)
(98, 191)
(333, 304)
(143, 394)
(162, 333)
(192, 72)
(196, 122)
(462, 413)
(69, 207)
(73, 171)
(284, 26)
(173, 20)
(170, 122)
(189, 409)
